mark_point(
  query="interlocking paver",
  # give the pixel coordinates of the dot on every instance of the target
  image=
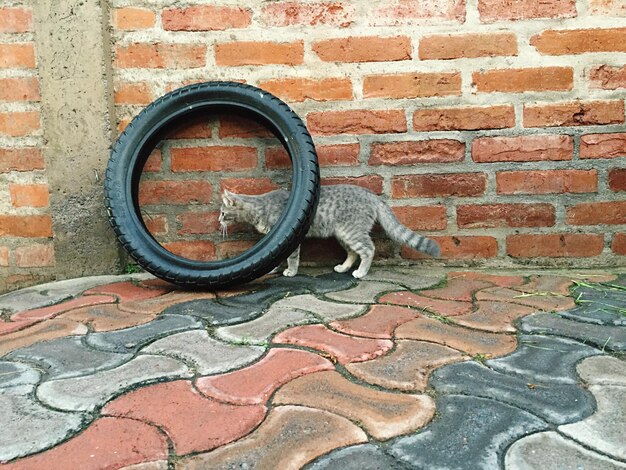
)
(382, 414)
(158, 304)
(470, 341)
(544, 301)
(208, 355)
(599, 303)
(13, 374)
(406, 277)
(559, 285)
(91, 391)
(496, 279)
(602, 370)
(469, 432)
(446, 308)
(7, 327)
(290, 437)
(604, 430)
(551, 451)
(129, 291)
(193, 422)
(364, 292)
(154, 465)
(379, 322)
(327, 282)
(254, 384)
(343, 348)
(494, 316)
(407, 367)
(457, 289)
(106, 317)
(46, 331)
(358, 457)
(54, 310)
(107, 443)
(327, 311)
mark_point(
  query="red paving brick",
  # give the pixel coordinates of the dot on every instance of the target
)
(544, 301)
(7, 327)
(446, 308)
(457, 289)
(494, 316)
(193, 422)
(156, 305)
(44, 331)
(128, 291)
(342, 347)
(254, 384)
(54, 310)
(107, 317)
(498, 280)
(549, 284)
(379, 322)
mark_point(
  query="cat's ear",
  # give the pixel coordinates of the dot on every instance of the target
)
(229, 199)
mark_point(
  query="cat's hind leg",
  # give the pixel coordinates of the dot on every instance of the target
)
(347, 264)
(292, 263)
(363, 246)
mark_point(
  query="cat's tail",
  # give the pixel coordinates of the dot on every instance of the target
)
(402, 234)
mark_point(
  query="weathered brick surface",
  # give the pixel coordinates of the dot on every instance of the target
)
(521, 80)
(580, 113)
(412, 152)
(603, 145)
(411, 85)
(523, 148)
(259, 53)
(546, 181)
(577, 245)
(505, 215)
(491, 11)
(579, 41)
(608, 77)
(456, 46)
(593, 213)
(205, 18)
(364, 49)
(452, 184)
(467, 118)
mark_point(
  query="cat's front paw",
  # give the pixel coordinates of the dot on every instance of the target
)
(289, 273)
(340, 268)
(358, 274)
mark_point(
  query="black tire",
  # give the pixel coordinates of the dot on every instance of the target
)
(132, 148)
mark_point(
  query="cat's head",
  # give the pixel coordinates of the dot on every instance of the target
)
(233, 209)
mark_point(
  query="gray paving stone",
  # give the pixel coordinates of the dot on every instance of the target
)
(324, 309)
(13, 374)
(602, 303)
(544, 358)
(87, 393)
(328, 282)
(28, 427)
(364, 292)
(359, 457)
(67, 357)
(603, 370)
(556, 403)
(604, 337)
(132, 339)
(605, 429)
(469, 432)
(407, 277)
(208, 355)
(551, 451)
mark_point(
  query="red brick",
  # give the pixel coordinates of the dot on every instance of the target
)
(527, 148)
(439, 185)
(175, 192)
(132, 19)
(594, 213)
(18, 124)
(133, 93)
(248, 185)
(194, 130)
(302, 89)
(307, 14)
(466, 118)
(213, 158)
(456, 46)
(608, 77)
(205, 18)
(242, 128)
(161, 56)
(504, 10)
(19, 89)
(505, 215)
(26, 226)
(576, 113)
(21, 159)
(580, 41)
(364, 49)
(463, 247)
(28, 195)
(357, 122)
(259, 53)
(198, 250)
(617, 179)
(4, 256)
(412, 85)
(603, 146)
(34, 256)
(417, 151)
(619, 244)
(16, 20)
(615, 8)
(372, 182)
(554, 245)
(17, 55)
(422, 217)
(156, 223)
(154, 162)
(522, 80)
(327, 155)
(546, 181)
(198, 223)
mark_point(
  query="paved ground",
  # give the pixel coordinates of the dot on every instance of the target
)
(459, 370)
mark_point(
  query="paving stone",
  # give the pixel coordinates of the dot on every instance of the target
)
(290, 437)
(67, 357)
(254, 384)
(405, 277)
(407, 367)
(457, 289)
(470, 341)
(496, 279)
(107, 317)
(89, 392)
(128, 291)
(604, 337)
(7, 327)
(541, 301)
(382, 414)
(208, 355)
(156, 305)
(13, 374)
(132, 339)
(545, 283)
(446, 308)
(551, 451)
(544, 358)
(603, 431)
(494, 316)
(260, 330)
(45, 331)
(327, 311)
(54, 310)
(358, 457)
(107, 443)
(553, 402)
(28, 427)
(364, 292)
(155, 465)
(193, 422)
(342, 347)
(379, 322)
(598, 313)
(602, 370)
(328, 282)
(600, 304)
(469, 432)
